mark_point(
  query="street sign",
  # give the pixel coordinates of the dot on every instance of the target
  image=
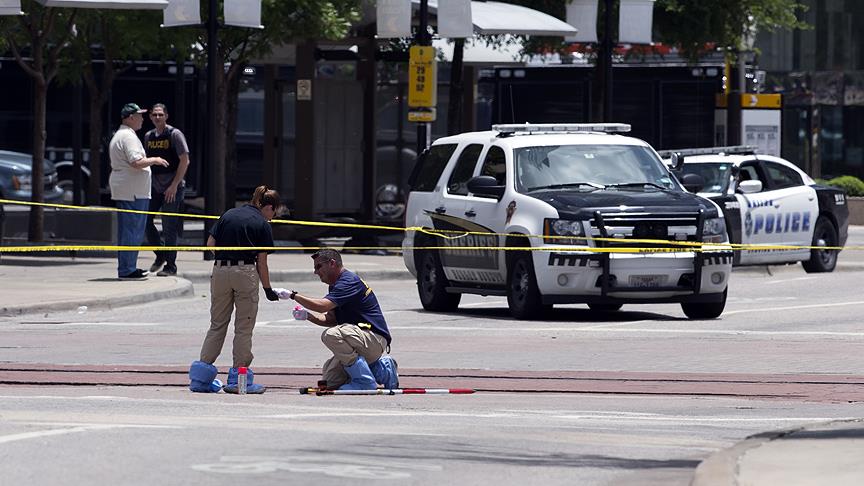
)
(422, 78)
(424, 115)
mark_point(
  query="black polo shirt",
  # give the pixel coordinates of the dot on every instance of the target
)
(243, 226)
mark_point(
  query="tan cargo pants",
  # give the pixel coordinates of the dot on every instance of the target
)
(230, 287)
(347, 341)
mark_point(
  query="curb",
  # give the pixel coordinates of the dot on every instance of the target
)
(721, 467)
(306, 276)
(181, 288)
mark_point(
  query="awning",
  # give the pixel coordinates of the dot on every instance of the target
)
(505, 18)
(108, 4)
(476, 52)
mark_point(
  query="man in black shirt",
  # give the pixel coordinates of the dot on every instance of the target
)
(234, 284)
(169, 188)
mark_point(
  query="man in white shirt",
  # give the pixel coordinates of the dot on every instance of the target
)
(130, 187)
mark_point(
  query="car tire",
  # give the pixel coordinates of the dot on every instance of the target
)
(605, 307)
(432, 284)
(703, 310)
(825, 234)
(523, 294)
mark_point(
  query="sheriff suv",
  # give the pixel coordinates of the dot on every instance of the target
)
(772, 208)
(561, 214)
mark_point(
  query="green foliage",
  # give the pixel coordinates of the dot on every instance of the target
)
(851, 184)
(691, 24)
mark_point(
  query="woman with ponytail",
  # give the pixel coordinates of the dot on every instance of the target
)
(234, 286)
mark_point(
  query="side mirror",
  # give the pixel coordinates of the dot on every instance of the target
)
(485, 186)
(750, 187)
(693, 182)
(676, 161)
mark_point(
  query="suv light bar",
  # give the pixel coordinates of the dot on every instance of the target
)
(507, 130)
(731, 150)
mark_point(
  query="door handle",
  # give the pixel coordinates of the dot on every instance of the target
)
(440, 210)
(470, 213)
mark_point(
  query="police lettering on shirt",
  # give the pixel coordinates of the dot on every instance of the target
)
(159, 144)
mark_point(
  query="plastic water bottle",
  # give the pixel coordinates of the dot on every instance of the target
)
(300, 313)
(241, 381)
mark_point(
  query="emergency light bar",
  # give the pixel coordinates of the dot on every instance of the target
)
(507, 130)
(731, 150)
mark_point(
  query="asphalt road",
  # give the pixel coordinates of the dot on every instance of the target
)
(779, 323)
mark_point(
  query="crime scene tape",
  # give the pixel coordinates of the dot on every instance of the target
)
(667, 245)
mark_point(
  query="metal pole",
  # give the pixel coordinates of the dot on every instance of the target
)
(423, 39)
(213, 202)
(607, 61)
(76, 147)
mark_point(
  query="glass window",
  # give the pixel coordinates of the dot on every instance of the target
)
(458, 183)
(716, 176)
(554, 165)
(429, 167)
(782, 176)
(495, 165)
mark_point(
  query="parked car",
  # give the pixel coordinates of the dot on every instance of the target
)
(768, 201)
(16, 181)
(570, 200)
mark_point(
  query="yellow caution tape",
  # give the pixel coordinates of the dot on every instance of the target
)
(669, 246)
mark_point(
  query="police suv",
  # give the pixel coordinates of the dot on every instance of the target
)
(768, 202)
(559, 214)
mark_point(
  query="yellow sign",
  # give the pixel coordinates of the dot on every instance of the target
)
(753, 100)
(422, 115)
(422, 78)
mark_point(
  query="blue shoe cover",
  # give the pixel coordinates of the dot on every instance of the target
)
(361, 376)
(385, 372)
(201, 376)
(252, 388)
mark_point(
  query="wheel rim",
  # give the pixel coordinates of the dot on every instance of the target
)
(520, 282)
(428, 279)
(825, 239)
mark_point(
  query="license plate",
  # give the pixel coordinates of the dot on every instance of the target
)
(647, 281)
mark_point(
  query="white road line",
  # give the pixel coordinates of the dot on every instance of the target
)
(101, 324)
(775, 282)
(72, 430)
(794, 307)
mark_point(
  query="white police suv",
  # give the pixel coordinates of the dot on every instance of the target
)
(559, 214)
(768, 202)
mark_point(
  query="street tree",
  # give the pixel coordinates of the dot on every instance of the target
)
(39, 41)
(284, 21)
(105, 45)
(696, 27)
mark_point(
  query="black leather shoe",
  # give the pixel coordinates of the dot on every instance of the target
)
(157, 265)
(167, 272)
(138, 274)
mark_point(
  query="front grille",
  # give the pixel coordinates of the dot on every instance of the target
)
(645, 226)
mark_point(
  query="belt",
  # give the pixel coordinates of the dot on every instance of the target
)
(231, 263)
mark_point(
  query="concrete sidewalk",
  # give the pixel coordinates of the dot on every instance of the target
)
(827, 453)
(33, 284)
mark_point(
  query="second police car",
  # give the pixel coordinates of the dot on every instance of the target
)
(769, 202)
(566, 201)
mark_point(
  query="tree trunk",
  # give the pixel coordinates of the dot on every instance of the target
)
(218, 146)
(94, 188)
(36, 226)
(457, 89)
(232, 91)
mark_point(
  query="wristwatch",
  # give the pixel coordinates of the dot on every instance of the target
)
(292, 294)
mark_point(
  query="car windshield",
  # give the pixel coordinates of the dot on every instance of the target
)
(590, 167)
(715, 175)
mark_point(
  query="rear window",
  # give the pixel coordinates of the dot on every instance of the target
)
(430, 164)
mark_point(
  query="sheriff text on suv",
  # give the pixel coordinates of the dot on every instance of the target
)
(585, 210)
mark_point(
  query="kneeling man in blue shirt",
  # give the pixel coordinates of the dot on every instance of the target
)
(357, 333)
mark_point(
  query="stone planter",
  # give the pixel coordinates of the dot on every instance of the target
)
(856, 210)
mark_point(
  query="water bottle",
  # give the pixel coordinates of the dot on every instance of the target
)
(300, 313)
(241, 381)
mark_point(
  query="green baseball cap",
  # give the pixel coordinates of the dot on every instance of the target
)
(129, 109)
